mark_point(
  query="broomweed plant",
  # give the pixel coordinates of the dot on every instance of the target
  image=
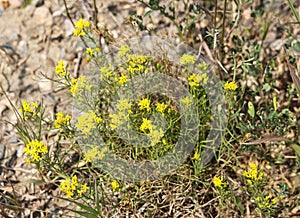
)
(102, 123)
(265, 201)
(154, 117)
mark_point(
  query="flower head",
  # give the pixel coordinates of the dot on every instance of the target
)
(94, 154)
(71, 187)
(219, 182)
(80, 25)
(60, 69)
(195, 80)
(123, 50)
(232, 86)
(155, 135)
(137, 63)
(253, 175)
(145, 104)
(123, 105)
(122, 79)
(29, 109)
(61, 120)
(79, 84)
(114, 185)
(187, 59)
(35, 151)
(146, 125)
(161, 107)
(86, 122)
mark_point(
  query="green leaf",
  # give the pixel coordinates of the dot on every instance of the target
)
(90, 210)
(296, 148)
(148, 13)
(251, 109)
(296, 46)
(85, 214)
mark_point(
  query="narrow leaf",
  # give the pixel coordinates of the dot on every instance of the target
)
(251, 109)
(297, 149)
(148, 13)
(294, 76)
(84, 207)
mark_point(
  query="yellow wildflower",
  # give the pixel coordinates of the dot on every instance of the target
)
(203, 66)
(145, 104)
(186, 101)
(122, 79)
(79, 32)
(107, 71)
(79, 84)
(114, 185)
(35, 151)
(137, 63)
(61, 120)
(71, 186)
(146, 125)
(219, 182)
(187, 59)
(118, 119)
(60, 69)
(86, 122)
(232, 86)
(267, 203)
(252, 174)
(90, 52)
(196, 156)
(161, 107)
(82, 189)
(155, 135)
(123, 50)
(94, 154)
(80, 25)
(123, 104)
(28, 109)
(195, 80)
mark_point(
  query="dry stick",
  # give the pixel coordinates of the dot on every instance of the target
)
(223, 29)
(69, 17)
(96, 23)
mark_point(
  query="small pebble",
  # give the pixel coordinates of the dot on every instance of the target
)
(13, 140)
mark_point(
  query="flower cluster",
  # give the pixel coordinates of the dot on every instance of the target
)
(187, 59)
(123, 50)
(87, 122)
(71, 187)
(91, 52)
(61, 120)
(29, 109)
(219, 182)
(122, 79)
(231, 86)
(115, 185)
(161, 107)
(252, 175)
(145, 104)
(35, 151)
(60, 69)
(94, 154)
(267, 203)
(79, 84)
(195, 80)
(80, 27)
(196, 156)
(137, 63)
(124, 109)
